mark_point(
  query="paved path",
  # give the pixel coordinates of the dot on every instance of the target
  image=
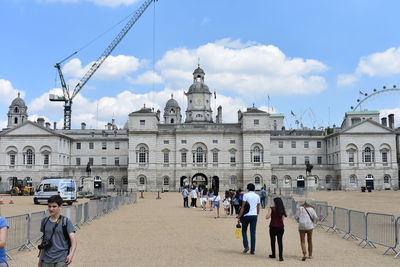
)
(162, 233)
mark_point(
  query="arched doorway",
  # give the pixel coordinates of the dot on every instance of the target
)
(215, 183)
(300, 181)
(369, 181)
(199, 180)
(184, 181)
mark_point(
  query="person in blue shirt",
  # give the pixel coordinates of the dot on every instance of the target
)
(3, 239)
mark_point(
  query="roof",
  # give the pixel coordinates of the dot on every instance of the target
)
(144, 110)
(253, 109)
(18, 102)
(276, 115)
(363, 112)
(198, 87)
(172, 103)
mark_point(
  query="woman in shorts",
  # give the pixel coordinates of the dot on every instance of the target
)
(217, 200)
(211, 198)
(227, 202)
(204, 198)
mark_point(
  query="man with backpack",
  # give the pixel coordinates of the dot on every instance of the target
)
(263, 197)
(58, 242)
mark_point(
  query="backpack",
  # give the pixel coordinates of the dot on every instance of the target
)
(246, 209)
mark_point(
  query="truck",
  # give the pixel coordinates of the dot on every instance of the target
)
(65, 187)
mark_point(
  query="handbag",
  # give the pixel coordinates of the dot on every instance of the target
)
(312, 220)
(238, 231)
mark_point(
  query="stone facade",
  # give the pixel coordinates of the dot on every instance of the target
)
(151, 153)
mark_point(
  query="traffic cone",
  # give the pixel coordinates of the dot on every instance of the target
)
(11, 201)
(1, 201)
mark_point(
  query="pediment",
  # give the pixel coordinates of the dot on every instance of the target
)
(28, 128)
(368, 126)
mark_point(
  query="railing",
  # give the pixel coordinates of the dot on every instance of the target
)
(25, 229)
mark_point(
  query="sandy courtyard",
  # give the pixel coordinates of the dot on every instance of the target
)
(162, 233)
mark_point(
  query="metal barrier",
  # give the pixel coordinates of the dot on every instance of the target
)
(35, 221)
(398, 236)
(358, 226)
(78, 215)
(17, 235)
(381, 230)
(341, 220)
(326, 217)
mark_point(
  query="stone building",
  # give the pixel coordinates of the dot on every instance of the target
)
(152, 153)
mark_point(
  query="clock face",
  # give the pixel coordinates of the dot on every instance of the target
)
(199, 101)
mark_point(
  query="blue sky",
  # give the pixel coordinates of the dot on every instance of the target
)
(311, 57)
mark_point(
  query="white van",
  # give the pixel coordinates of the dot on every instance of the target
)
(65, 187)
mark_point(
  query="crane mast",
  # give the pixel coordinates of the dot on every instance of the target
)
(67, 97)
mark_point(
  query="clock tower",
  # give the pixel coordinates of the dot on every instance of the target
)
(199, 100)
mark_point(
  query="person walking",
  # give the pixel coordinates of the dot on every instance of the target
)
(263, 196)
(236, 202)
(204, 199)
(276, 226)
(249, 217)
(211, 198)
(193, 195)
(306, 217)
(58, 242)
(185, 195)
(217, 201)
(227, 202)
(3, 241)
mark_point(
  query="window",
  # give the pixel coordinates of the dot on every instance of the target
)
(328, 179)
(124, 180)
(166, 142)
(200, 155)
(183, 157)
(306, 144)
(166, 157)
(232, 141)
(215, 141)
(166, 181)
(232, 157)
(215, 157)
(29, 157)
(293, 144)
(183, 141)
(318, 144)
(256, 122)
(142, 155)
(104, 145)
(142, 180)
(116, 161)
(91, 145)
(78, 161)
(351, 157)
(352, 179)
(233, 180)
(280, 144)
(306, 160)
(293, 160)
(46, 159)
(257, 180)
(116, 145)
(319, 160)
(384, 157)
(287, 179)
(12, 159)
(111, 181)
(280, 160)
(386, 179)
(78, 145)
(91, 161)
(104, 161)
(50, 188)
(274, 180)
(368, 155)
(142, 122)
(256, 154)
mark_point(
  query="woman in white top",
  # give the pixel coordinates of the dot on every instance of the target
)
(217, 200)
(306, 217)
(204, 198)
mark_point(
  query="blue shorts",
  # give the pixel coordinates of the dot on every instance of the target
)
(216, 204)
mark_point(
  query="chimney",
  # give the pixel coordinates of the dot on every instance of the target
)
(55, 125)
(384, 121)
(219, 115)
(40, 121)
(48, 125)
(109, 126)
(83, 126)
(391, 121)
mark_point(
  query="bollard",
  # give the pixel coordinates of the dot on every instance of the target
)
(141, 194)
(158, 195)
(280, 191)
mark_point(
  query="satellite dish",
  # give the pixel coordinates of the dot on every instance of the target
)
(384, 87)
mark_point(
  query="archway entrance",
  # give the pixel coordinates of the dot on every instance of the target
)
(200, 180)
(300, 181)
(369, 181)
(184, 181)
(215, 183)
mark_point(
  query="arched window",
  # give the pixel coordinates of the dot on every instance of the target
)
(124, 180)
(256, 154)
(369, 177)
(16, 110)
(368, 155)
(142, 180)
(172, 120)
(111, 180)
(328, 179)
(29, 157)
(199, 155)
(353, 179)
(143, 155)
(166, 181)
(274, 180)
(257, 180)
(172, 111)
(386, 179)
(233, 180)
(15, 120)
(288, 179)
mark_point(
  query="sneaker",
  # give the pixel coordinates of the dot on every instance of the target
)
(280, 259)
(245, 250)
(251, 252)
(272, 256)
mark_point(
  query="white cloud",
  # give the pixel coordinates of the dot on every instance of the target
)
(113, 67)
(380, 64)
(146, 78)
(247, 69)
(111, 3)
(8, 92)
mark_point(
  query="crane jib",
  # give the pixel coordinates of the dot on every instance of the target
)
(69, 97)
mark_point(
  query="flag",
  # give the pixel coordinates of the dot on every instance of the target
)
(291, 112)
(215, 95)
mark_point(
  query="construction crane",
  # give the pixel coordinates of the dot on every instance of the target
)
(67, 95)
